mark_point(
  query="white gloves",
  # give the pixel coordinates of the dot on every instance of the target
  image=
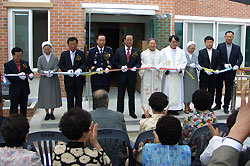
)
(78, 72)
(158, 67)
(178, 69)
(71, 73)
(227, 66)
(47, 73)
(107, 70)
(31, 75)
(22, 75)
(99, 69)
(133, 69)
(217, 72)
(199, 67)
(208, 72)
(193, 65)
(124, 68)
(235, 67)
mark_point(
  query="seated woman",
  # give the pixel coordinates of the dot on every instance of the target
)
(15, 131)
(158, 101)
(165, 150)
(202, 101)
(77, 126)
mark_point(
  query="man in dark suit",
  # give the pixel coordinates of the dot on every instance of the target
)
(99, 59)
(209, 58)
(127, 57)
(19, 89)
(231, 57)
(108, 119)
(74, 62)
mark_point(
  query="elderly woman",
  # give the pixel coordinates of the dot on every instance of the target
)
(190, 84)
(77, 126)
(15, 131)
(165, 150)
(49, 95)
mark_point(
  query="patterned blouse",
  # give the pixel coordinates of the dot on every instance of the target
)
(197, 120)
(158, 154)
(75, 154)
(18, 156)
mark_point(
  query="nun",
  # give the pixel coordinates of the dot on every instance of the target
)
(49, 93)
(190, 84)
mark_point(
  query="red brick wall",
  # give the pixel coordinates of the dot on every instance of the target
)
(67, 19)
(3, 35)
(212, 8)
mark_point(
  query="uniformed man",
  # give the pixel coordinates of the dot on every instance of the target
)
(100, 59)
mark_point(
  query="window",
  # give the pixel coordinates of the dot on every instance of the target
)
(197, 32)
(178, 28)
(226, 27)
(28, 29)
(197, 28)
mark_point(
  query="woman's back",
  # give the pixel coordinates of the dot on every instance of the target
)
(158, 154)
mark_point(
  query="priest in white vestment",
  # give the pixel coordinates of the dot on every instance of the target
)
(172, 82)
(150, 78)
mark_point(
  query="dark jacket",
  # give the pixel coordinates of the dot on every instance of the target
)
(18, 86)
(235, 58)
(121, 60)
(204, 61)
(65, 65)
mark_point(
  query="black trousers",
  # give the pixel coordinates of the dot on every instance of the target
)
(15, 101)
(209, 85)
(100, 81)
(74, 96)
(130, 86)
(228, 89)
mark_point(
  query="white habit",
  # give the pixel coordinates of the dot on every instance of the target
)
(172, 84)
(150, 78)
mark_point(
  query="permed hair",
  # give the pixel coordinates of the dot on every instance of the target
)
(74, 123)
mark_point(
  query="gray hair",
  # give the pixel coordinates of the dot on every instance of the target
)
(100, 98)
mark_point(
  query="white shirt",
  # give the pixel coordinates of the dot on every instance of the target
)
(100, 49)
(126, 50)
(190, 55)
(47, 57)
(209, 51)
(72, 56)
(217, 142)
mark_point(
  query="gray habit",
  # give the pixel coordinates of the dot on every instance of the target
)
(190, 85)
(49, 94)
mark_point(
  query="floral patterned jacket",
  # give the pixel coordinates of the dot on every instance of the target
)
(74, 153)
(197, 120)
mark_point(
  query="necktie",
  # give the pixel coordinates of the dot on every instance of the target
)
(128, 55)
(101, 50)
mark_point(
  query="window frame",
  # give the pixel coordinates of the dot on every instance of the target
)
(216, 21)
(30, 31)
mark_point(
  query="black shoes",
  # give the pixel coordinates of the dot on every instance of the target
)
(52, 117)
(226, 110)
(133, 116)
(49, 116)
(217, 107)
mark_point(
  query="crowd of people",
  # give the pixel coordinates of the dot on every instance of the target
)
(170, 80)
(80, 127)
(173, 71)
